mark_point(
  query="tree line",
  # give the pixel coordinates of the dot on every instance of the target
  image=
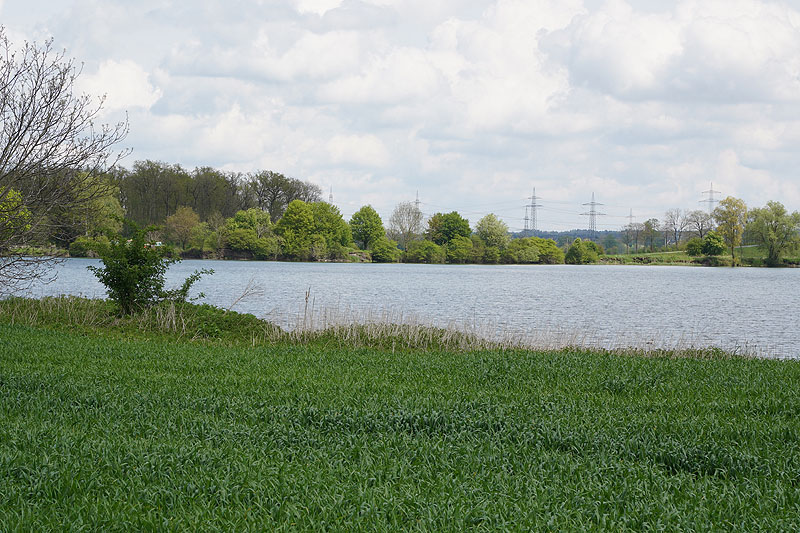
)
(60, 184)
(730, 225)
(209, 213)
(266, 215)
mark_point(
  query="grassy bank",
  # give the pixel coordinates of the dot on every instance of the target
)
(108, 428)
(745, 256)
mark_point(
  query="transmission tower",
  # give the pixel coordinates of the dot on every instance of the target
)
(533, 206)
(710, 200)
(593, 214)
(416, 202)
(330, 196)
(631, 218)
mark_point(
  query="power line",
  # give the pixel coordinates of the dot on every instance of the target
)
(532, 222)
(593, 214)
(710, 200)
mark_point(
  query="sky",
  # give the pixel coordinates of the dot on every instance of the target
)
(471, 104)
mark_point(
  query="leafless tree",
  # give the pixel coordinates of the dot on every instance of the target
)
(700, 222)
(51, 152)
(405, 224)
(273, 192)
(675, 223)
(627, 237)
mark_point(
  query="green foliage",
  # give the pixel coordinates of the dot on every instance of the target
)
(442, 228)
(273, 192)
(694, 246)
(594, 247)
(549, 252)
(102, 213)
(731, 216)
(153, 190)
(774, 230)
(611, 243)
(713, 244)
(242, 239)
(493, 231)
(424, 252)
(367, 227)
(491, 255)
(295, 228)
(133, 271)
(581, 253)
(650, 232)
(86, 246)
(253, 219)
(478, 249)
(521, 251)
(181, 225)
(329, 224)
(15, 218)
(459, 249)
(248, 232)
(385, 251)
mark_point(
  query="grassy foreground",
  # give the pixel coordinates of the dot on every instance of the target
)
(119, 430)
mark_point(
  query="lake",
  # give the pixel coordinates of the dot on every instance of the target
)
(752, 310)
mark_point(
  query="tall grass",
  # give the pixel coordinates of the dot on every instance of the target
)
(385, 329)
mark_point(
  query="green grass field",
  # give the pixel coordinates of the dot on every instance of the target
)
(646, 258)
(745, 256)
(102, 432)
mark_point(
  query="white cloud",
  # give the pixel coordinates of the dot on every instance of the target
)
(400, 75)
(319, 7)
(461, 99)
(361, 150)
(740, 50)
(125, 84)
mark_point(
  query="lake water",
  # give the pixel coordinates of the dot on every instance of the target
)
(743, 309)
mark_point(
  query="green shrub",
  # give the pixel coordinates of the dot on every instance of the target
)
(85, 246)
(549, 252)
(133, 271)
(713, 244)
(521, 251)
(582, 253)
(385, 251)
(694, 247)
(424, 252)
(459, 249)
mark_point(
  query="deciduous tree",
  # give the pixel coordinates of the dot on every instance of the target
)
(774, 229)
(675, 222)
(731, 217)
(366, 226)
(443, 227)
(180, 225)
(273, 192)
(493, 231)
(405, 224)
(700, 222)
(521, 251)
(459, 249)
(50, 150)
(295, 227)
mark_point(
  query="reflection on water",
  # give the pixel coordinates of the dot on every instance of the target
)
(735, 309)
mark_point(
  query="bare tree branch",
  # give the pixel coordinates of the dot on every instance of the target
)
(51, 152)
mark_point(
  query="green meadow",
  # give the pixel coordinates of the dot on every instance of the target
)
(107, 427)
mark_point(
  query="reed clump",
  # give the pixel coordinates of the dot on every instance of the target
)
(385, 330)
